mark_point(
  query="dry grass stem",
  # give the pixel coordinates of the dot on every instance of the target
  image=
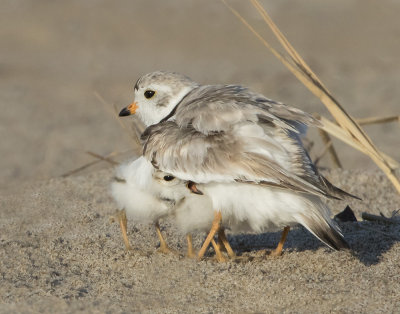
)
(322, 153)
(106, 159)
(302, 71)
(329, 146)
(376, 120)
(137, 145)
(296, 58)
(81, 168)
(336, 131)
(284, 60)
(92, 163)
(381, 218)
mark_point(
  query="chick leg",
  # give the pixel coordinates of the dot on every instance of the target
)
(120, 216)
(163, 244)
(279, 248)
(225, 242)
(218, 253)
(190, 251)
(216, 224)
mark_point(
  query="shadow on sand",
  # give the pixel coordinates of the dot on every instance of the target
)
(368, 241)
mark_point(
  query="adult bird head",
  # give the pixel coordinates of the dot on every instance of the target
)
(156, 94)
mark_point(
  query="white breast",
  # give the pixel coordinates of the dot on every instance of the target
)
(137, 195)
(253, 208)
(147, 198)
(244, 207)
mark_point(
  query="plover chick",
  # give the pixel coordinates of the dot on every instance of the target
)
(147, 195)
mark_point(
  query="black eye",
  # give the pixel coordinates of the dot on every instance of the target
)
(149, 93)
(169, 178)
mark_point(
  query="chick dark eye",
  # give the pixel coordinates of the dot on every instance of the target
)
(169, 178)
(149, 93)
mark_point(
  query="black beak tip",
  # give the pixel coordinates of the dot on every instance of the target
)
(124, 112)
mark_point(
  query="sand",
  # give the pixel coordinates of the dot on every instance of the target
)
(58, 250)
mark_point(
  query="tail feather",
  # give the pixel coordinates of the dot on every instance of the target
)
(326, 231)
(331, 237)
(334, 191)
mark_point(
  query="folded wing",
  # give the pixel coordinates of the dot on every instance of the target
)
(228, 133)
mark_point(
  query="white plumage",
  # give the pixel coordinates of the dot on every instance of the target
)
(251, 208)
(138, 192)
(254, 208)
(243, 150)
(147, 197)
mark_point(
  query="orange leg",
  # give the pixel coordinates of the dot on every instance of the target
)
(218, 253)
(224, 241)
(120, 216)
(279, 248)
(190, 251)
(163, 244)
(214, 229)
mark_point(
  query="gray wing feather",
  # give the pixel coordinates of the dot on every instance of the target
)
(215, 108)
(207, 138)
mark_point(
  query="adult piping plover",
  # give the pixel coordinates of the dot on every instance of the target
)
(242, 148)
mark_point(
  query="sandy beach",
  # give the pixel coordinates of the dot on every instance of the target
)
(59, 252)
(60, 60)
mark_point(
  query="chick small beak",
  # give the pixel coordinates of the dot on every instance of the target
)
(127, 111)
(193, 188)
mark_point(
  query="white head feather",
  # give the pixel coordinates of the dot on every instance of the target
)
(167, 90)
(147, 195)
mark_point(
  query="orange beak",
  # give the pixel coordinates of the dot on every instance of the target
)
(127, 111)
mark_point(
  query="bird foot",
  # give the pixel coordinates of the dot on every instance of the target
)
(191, 254)
(166, 250)
(275, 253)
